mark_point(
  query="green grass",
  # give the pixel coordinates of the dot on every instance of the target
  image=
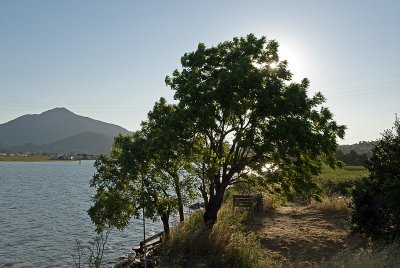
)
(21, 158)
(340, 181)
(342, 174)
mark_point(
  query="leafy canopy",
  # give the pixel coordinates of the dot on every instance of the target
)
(238, 100)
(118, 182)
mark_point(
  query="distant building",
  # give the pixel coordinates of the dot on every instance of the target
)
(86, 157)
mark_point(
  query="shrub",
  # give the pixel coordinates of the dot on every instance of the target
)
(343, 187)
(376, 202)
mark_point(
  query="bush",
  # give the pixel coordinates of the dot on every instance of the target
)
(376, 202)
(343, 187)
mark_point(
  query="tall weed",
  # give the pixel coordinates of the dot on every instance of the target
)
(225, 245)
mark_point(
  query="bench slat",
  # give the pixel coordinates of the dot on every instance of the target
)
(246, 201)
(149, 243)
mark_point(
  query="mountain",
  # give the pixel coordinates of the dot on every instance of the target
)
(58, 129)
(87, 142)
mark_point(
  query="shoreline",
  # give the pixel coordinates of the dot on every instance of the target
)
(32, 159)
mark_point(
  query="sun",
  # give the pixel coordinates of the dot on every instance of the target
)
(297, 62)
(273, 65)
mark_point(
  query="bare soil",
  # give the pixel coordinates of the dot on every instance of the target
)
(304, 236)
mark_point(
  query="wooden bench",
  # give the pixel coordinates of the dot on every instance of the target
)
(244, 201)
(149, 243)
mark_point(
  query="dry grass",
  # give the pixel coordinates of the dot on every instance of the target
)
(270, 202)
(305, 236)
(333, 204)
(371, 257)
(239, 248)
(187, 242)
(22, 158)
(290, 235)
(192, 244)
(318, 235)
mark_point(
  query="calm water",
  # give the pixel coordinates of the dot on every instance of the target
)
(43, 209)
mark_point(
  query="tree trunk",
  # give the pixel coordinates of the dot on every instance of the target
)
(179, 198)
(203, 186)
(204, 195)
(214, 204)
(165, 221)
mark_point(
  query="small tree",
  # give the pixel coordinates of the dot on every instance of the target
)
(119, 192)
(376, 199)
(153, 156)
(96, 249)
(168, 151)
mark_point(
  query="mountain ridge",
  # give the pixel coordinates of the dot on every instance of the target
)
(51, 128)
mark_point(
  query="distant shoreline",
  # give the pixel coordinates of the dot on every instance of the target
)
(29, 158)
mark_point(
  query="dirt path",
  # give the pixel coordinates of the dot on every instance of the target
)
(303, 236)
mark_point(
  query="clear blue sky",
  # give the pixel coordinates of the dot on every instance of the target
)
(108, 59)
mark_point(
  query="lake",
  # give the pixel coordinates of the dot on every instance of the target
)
(43, 209)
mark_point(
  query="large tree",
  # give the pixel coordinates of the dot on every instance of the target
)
(238, 102)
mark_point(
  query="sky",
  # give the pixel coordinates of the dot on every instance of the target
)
(108, 59)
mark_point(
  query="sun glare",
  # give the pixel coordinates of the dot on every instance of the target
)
(273, 65)
(295, 59)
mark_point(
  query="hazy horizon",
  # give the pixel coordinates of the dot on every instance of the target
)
(108, 61)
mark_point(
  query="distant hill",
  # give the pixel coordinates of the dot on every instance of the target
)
(360, 148)
(58, 130)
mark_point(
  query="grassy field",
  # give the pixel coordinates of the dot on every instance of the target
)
(21, 158)
(345, 173)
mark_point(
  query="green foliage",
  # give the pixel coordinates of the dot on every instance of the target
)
(237, 120)
(114, 201)
(166, 148)
(247, 117)
(352, 158)
(150, 170)
(376, 209)
(119, 180)
(342, 187)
